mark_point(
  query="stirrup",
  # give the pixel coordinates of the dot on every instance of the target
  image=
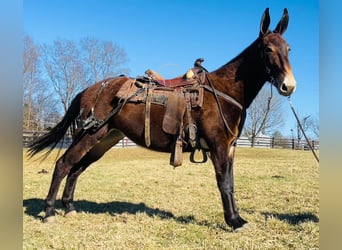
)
(204, 154)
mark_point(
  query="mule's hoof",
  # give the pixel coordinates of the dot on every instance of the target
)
(244, 227)
(49, 219)
(71, 213)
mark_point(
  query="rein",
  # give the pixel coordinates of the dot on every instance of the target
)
(226, 97)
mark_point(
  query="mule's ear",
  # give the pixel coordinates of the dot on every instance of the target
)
(265, 23)
(282, 25)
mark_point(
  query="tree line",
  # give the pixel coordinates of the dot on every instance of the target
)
(54, 73)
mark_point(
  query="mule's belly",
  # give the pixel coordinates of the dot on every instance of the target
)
(131, 119)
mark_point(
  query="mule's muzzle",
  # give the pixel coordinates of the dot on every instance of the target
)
(287, 87)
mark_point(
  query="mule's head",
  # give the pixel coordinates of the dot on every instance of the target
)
(275, 54)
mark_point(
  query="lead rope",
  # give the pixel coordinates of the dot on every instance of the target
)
(301, 128)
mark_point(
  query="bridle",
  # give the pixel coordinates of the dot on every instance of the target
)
(269, 76)
(267, 68)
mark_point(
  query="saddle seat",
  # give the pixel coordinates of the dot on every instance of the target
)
(187, 79)
(192, 76)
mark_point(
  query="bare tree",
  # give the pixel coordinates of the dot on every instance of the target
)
(30, 72)
(65, 69)
(45, 106)
(309, 124)
(103, 59)
(61, 70)
(264, 115)
(315, 127)
(71, 67)
(37, 98)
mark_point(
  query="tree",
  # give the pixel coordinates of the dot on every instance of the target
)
(315, 127)
(264, 115)
(37, 101)
(71, 67)
(65, 69)
(309, 124)
(30, 60)
(45, 106)
(54, 74)
(103, 59)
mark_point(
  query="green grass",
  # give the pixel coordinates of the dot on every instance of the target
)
(133, 199)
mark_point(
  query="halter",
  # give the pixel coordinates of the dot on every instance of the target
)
(270, 78)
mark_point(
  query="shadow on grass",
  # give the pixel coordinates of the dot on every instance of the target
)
(35, 206)
(293, 219)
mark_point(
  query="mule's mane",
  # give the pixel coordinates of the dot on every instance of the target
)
(246, 69)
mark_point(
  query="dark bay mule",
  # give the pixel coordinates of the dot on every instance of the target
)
(219, 120)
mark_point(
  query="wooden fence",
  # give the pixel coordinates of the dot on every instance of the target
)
(259, 142)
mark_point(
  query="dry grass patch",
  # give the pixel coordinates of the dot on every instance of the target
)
(133, 199)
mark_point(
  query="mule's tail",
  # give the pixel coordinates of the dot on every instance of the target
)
(56, 134)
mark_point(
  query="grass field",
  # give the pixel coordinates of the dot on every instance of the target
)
(133, 199)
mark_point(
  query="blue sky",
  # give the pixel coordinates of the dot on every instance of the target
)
(168, 36)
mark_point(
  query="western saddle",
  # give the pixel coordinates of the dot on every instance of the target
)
(178, 96)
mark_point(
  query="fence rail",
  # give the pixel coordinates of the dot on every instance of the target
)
(259, 142)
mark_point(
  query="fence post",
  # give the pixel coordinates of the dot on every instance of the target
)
(293, 143)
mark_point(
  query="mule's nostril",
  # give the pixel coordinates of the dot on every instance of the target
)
(283, 87)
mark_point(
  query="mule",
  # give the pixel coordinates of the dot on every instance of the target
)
(228, 92)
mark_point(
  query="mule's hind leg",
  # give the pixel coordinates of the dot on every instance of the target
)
(112, 138)
(61, 170)
(63, 166)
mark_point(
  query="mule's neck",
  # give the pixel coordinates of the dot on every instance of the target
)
(242, 77)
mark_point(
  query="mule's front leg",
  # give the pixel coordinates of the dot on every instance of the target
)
(225, 182)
